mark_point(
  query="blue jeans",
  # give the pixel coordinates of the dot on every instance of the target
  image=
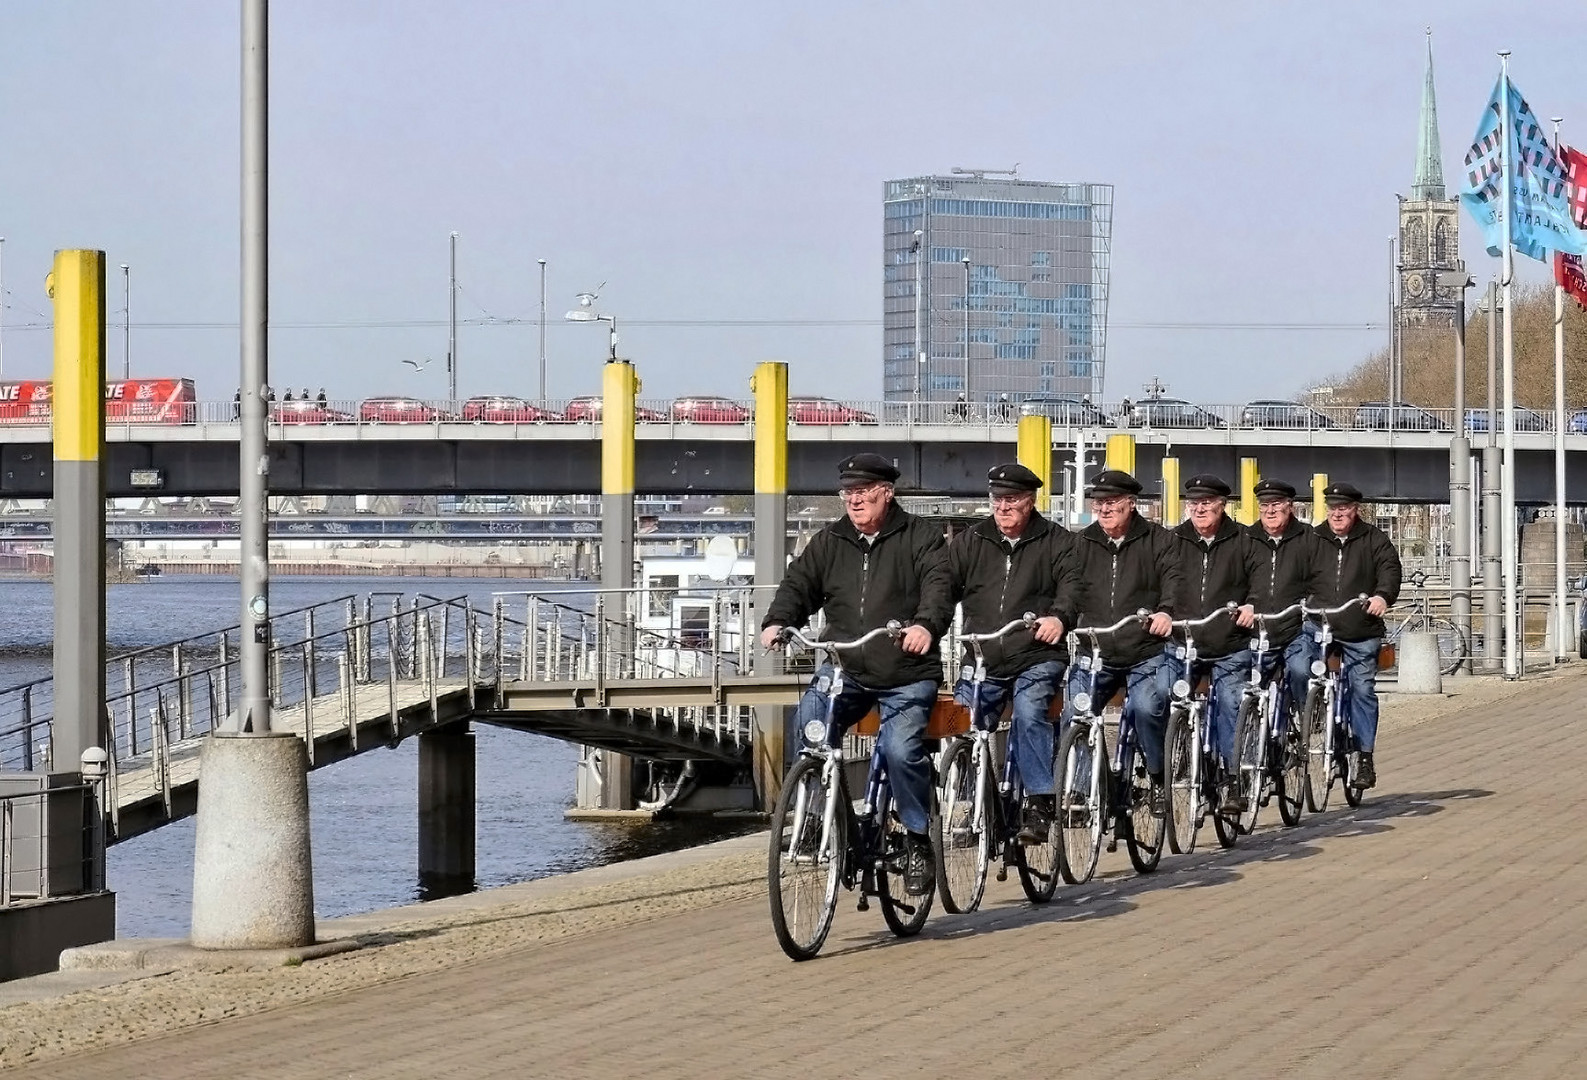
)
(1032, 734)
(1297, 656)
(1230, 676)
(904, 711)
(1359, 667)
(1147, 689)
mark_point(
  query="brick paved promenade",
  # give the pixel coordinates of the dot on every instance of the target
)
(1437, 932)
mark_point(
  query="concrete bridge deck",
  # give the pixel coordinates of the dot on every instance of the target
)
(1436, 932)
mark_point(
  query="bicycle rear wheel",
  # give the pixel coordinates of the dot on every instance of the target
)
(1319, 755)
(1146, 830)
(1292, 778)
(1250, 749)
(1344, 745)
(804, 868)
(964, 849)
(1181, 776)
(1080, 793)
(905, 914)
(1453, 647)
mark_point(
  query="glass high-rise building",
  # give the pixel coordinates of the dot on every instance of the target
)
(1013, 287)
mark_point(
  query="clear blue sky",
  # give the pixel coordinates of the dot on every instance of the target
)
(722, 163)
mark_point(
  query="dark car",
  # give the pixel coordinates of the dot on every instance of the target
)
(1525, 420)
(1284, 414)
(587, 410)
(709, 410)
(1374, 416)
(398, 410)
(820, 410)
(498, 409)
(1065, 410)
(1167, 412)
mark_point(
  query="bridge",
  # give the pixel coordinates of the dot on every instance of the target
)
(937, 452)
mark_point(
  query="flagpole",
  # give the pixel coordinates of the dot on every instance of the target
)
(1562, 635)
(1514, 647)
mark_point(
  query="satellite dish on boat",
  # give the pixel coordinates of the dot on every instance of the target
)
(720, 556)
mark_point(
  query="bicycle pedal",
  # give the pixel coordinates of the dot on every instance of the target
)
(1113, 844)
(1002, 873)
(863, 905)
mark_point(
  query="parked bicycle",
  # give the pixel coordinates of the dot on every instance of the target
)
(1115, 798)
(1270, 736)
(1192, 771)
(1453, 646)
(981, 811)
(819, 841)
(1329, 741)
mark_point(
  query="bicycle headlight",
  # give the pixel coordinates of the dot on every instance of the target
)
(1082, 702)
(1181, 688)
(816, 732)
(1318, 668)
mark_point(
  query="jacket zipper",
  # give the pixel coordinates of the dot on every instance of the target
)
(865, 580)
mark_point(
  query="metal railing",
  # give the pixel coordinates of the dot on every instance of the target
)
(41, 854)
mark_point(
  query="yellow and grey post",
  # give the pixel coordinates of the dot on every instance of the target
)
(1034, 447)
(1245, 512)
(252, 884)
(770, 386)
(1172, 513)
(1121, 452)
(1319, 504)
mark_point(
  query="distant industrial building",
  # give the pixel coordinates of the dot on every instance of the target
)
(1012, 287)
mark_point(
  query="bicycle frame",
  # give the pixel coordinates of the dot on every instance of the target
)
(1010, 785)
(1330, 683)
(1125, 745)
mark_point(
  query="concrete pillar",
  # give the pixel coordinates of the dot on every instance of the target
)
(770, 386)
(1419, 667)
(1035, 453)
(252, 884)
(1121, 452)
(1172, 512)
(1245, 513)
(446, 811)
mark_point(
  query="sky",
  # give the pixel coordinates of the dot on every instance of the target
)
(716, 171)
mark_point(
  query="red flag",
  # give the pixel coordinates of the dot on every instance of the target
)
(1568, 269)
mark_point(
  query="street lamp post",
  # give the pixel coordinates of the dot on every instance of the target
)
(966, 261)
(920, 352)
(2, 304)
(451, 328)
(1459, 464)
(542, 331)
(585, 312)
(126, 322)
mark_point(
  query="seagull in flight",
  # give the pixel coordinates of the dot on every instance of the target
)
(417, 365)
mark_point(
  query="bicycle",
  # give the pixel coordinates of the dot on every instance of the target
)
(1089, 800)
(1191, 769)
(1453, 647)
(1269, 737)
(1328, 736)
(980, 811)
(819, 842)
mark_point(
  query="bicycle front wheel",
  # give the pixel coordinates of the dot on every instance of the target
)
(1319, 754)
(1181, 758)
(1081, 789)
(1250, 749)
(1292, 778)
(1038, 863)
(964, 849)
(1146, 828)
(905, 914)
(805, 866)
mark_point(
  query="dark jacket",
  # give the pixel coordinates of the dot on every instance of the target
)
(1284, 575)
(1143, 571)
(861, 586)
(1361, 561)
(1214, 575)
(997, 584)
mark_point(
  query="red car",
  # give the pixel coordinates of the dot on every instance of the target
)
(820, 410)
(496, 409)
(306, 412)
(709, 410)
(398, 410)
(588, 410)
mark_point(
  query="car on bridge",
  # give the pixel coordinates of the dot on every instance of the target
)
(820, 410)
(1374, 416)
(1167, 412)
(399, 410)
(587, 410)
(502, 409)
(1525, 420)
(1065, 410)
(709, 410)
(1289, 415)
(307, 412)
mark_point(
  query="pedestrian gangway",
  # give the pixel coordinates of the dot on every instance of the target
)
(362, 672)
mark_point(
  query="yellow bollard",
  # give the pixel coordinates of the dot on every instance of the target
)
(770, 387)
(1035, 453)
(1319, 505)
(1245, 513)
(1121, 452)
(1172, 513)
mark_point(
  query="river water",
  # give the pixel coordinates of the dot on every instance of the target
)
(364, 811)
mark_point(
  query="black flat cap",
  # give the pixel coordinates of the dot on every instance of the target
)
(1113, 482)
(862, 469)
(1011, 478)
(1205, 486)
(1341, 494)
(1274, 491)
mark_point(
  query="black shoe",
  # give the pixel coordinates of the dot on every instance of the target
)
(1233, 801)
(920, 869)
(1159, 794)
(1036, 821)
(1366, 774)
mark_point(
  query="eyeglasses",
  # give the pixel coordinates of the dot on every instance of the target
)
(868, 493)
(1103, 506)
(1202, 504)
(1008, 502)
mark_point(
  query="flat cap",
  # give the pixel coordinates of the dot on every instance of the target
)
(1206, 485)
(1113, 482)
(1341, 494)
(1274, 491)
(862, 469)
(1011, 478)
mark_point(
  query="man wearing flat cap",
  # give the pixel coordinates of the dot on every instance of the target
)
(876, 564)
(1128, 564)
(1290, 560)
(1358, 558)
(1217, 560)
(1014, 562)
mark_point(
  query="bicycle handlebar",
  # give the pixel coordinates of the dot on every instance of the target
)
(1194, 624)
(1325, 612)
(1095, 632)
(1025, 623)
(1276, 615)
(790, 635)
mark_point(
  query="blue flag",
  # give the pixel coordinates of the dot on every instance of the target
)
(1539, 206)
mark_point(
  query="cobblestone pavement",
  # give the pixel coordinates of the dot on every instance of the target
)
(1436, 932)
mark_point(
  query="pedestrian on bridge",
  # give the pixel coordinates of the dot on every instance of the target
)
(876, 564)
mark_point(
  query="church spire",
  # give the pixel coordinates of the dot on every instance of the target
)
(1429, 182)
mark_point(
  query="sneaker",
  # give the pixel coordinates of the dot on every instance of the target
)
(1036, 823)
(920, 870)
(1159, 795)
(1366, 774)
